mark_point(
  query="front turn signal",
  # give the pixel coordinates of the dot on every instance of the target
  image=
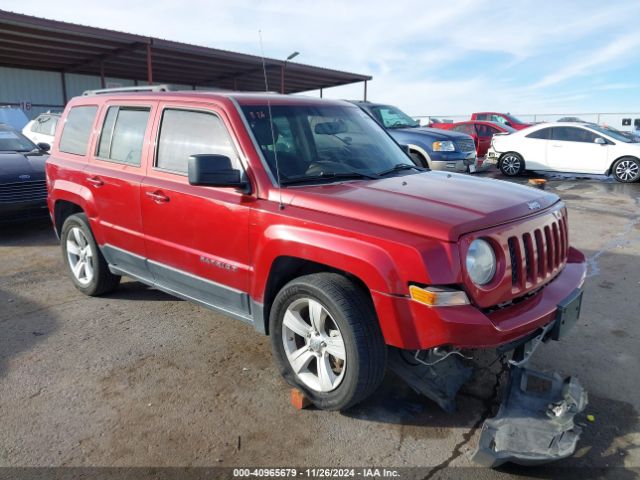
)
(438, 296)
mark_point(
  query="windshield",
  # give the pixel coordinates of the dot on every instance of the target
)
(504, 127)
(12, 141)
(322, 142)
(511, 119)
(612, 132)
(392, 117)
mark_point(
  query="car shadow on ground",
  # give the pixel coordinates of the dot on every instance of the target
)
(133, 290)
(23, 325)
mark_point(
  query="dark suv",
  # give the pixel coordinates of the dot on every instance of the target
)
(303, 218)
(429, 147)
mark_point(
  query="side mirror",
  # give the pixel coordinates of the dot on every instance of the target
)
(600, 141)
(508, 124)
(45, 147)
(215, 171)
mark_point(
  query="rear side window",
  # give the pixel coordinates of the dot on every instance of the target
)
(185, 132)
(122, 135)
(542, 134)
(45, 125)
(572, 134)
(77, 128)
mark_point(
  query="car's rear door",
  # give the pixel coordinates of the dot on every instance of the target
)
(484, 133)
(573, 149)
(114, 173)
(196, 236)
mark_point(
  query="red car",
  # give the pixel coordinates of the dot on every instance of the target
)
(482, 132)
(305, 219)
(503, 118)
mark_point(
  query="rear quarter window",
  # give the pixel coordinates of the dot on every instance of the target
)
(77, 129)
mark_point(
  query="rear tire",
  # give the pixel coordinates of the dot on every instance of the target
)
(626, 170)
(326, 340)
(512, 164)
(86, 266)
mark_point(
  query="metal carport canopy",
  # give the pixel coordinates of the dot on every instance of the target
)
(42, 44)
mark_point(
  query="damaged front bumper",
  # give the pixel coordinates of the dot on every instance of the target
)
(535, 422)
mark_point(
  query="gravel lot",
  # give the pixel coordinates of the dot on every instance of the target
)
(140, 378)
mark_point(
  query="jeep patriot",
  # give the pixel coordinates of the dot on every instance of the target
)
(305, 219)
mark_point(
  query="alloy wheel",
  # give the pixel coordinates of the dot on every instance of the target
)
(314, 345)
(627, 170)
(80, 256)
(511, 164)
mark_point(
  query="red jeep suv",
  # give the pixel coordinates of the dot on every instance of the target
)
(304, 218)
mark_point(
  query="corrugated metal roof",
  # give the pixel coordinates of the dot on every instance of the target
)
(43, 44)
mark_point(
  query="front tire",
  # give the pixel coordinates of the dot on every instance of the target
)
(512, 164)
(86, 266)
(326, 340)
(419, 160)
(626, 170)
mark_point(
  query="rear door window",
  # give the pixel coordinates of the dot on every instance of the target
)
(122, 135)
(77, 129)
(189, 132)
(465, 128)
(485, 131)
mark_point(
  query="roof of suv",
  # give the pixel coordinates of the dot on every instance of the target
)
(243, 98)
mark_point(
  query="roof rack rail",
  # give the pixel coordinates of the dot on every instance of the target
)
(140, 88)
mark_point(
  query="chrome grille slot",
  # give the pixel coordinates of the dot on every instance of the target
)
(23, 191)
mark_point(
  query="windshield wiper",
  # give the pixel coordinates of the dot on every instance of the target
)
(327, 176)
(398, 168)
(403, 125)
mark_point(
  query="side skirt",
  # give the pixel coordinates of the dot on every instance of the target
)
(212, 295)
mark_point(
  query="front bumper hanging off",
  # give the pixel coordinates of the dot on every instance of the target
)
(535, 421)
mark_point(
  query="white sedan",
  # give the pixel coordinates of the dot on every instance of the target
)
(567, 147)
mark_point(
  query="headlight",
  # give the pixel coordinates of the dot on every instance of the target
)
(446, 146)
(481, 262)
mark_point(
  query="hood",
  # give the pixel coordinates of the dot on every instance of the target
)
(430, 133)
(432, 204)
(14, 164)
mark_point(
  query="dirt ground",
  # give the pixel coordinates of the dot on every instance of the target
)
(140, 378)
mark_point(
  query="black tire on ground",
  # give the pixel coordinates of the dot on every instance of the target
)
(419, 160)
(102, 280)
(512, 164)
(353, 313)
(626, 170)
